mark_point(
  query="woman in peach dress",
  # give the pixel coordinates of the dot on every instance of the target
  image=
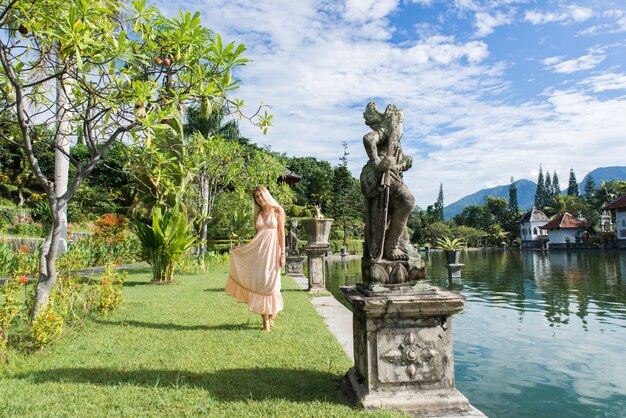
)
(255, 267)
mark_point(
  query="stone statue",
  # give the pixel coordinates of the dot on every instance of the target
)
(292, 238)
(388, 256)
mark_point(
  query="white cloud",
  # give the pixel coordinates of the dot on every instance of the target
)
(605, 82)
(318, 69)
(567, 14)
(485, 22)
(585, 62)
(364, 10)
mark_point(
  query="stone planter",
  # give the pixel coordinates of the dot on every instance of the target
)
(317, 230)
(453, 256)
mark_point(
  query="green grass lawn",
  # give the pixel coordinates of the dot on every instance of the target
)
(180, 350)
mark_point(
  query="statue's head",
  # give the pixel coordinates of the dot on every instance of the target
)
(373, 118)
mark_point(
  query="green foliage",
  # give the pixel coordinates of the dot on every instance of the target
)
(354, 246)
(164, 241)
(472, 236)
(91, 252)
(28, 228)
(109, 289)
(437, 230)
(7, 260)
(47, 326)
(316, 183)
(9, 308)
(189, 264)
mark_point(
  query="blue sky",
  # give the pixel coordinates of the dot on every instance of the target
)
(490, 89)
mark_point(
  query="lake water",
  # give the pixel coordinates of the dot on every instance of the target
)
(542, 334)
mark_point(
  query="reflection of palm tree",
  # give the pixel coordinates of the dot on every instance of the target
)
(210, 125)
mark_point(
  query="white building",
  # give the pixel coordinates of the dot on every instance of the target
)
(531, 234)
(564, 230)
(619, 206)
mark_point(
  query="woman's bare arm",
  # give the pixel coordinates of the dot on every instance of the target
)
(281, 235)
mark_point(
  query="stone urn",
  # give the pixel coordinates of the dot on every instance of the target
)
(453, 256)
(317, 230)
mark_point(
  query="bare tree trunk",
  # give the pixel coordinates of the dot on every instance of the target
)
(204, 222)
(47, 258)
(62, 152)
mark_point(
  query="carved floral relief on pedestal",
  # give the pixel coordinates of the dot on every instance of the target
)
(409, 361)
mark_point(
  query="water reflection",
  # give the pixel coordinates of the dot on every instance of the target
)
(542, 334)
(558, 283)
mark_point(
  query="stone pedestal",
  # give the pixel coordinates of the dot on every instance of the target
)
(318, 231)
(454, 270)
(403, 350)
(315, 263)
(294, 265)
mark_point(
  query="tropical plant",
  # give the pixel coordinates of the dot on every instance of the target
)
(165, 241)
(447, 243)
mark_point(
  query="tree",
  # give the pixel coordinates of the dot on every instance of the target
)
(512, 212)
(438, 207)
(549, 189)
(130, 70)
(556, 187)
(211, 125)
(541, 194)
(589, 188)
(572, 185)
(316, 183)
(342, 181)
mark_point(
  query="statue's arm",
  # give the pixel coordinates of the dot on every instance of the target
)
(370, 142)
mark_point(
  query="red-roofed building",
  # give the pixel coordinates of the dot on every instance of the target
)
(565, 229)
(619, 206)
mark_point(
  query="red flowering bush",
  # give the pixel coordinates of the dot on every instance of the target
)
(111, 228)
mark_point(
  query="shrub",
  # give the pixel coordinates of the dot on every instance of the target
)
(109, 289)
(111, 228)
(11, 302)
(27, 228)
(48, 326)
(10, 308)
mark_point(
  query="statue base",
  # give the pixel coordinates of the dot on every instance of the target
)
(390, 272)
(294, 265)
(403, 354)
(454, 270)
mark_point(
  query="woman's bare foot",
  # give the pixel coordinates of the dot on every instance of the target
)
(266, 323)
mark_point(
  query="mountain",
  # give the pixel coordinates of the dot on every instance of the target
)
(525, 197)
(604, 174)
(526, 191)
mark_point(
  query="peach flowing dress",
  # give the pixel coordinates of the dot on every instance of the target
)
(255, 269)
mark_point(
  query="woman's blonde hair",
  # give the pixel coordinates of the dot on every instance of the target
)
(268, 198)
